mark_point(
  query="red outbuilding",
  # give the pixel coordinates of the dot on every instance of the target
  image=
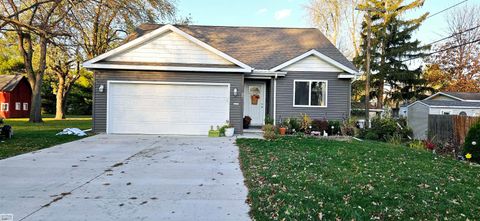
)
(15, 96)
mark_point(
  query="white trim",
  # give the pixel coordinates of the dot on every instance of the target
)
(257, 77)
(160, 82)
(310, 93)
(157, 32)
(346, 76)
(164, 68)
(6, 107)
(18, 106)
(318, 54)
(25, 106)
(447, 95)
(275, 100)
(453, 107)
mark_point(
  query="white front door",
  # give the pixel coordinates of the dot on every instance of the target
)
(254, 102)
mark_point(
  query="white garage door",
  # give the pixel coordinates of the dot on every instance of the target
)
(166, 108)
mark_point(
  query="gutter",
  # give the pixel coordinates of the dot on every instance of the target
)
(275, 99)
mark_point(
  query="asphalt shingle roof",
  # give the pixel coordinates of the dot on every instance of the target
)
(259, 47)
(451, 103)
(465, 95)
(9, 82)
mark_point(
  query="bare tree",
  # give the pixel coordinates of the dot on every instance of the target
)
(333, 16)
(36, 24)
(459, 56)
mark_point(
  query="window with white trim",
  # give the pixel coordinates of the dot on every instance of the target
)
(25, 106)
(4, 107)
(18, 106)
(310, 93)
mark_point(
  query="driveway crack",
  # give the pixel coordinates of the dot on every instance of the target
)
(109, 169)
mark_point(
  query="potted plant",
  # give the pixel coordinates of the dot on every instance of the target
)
(246, 122)
(229, 130)
(283, 128)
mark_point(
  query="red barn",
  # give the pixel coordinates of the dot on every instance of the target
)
(15, 96)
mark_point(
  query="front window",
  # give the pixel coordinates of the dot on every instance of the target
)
(18, 106)
(4, 107)
(310, 93)
(25, 106)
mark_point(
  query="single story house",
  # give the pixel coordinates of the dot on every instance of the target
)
(184, 79)
(15, 96)
(442, 103)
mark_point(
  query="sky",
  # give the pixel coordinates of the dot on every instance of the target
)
(292, 13)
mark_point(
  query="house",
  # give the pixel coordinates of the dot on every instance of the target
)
(442, 103)
(15, 96)
(179, 79)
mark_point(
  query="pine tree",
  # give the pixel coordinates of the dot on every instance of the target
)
(391, 44)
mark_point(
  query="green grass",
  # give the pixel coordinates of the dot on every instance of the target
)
(30, 137)
(296, 178)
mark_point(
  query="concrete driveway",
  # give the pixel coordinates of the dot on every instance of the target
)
(126, 177)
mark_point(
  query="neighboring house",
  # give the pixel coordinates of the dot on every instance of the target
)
(184, 79)
(448, 103)
(15, 96)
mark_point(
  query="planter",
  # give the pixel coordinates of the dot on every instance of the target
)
(282, 130)
(214, 133)
(229, 131)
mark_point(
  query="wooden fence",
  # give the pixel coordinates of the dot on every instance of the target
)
(450, 128)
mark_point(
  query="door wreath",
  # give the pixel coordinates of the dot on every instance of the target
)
(254, 99)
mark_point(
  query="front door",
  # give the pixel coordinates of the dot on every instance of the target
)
(254, 102)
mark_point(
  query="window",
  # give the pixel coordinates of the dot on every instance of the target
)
(18, 106)
(462, 113)
(309, 93)
(446, 112)
(25, 106)
(4, 107)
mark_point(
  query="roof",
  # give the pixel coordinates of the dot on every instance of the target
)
(465, 95)
(9, 82)
(443, 103)
(259, 47)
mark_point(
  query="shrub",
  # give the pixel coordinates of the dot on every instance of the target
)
(471, 147)
(269, 132)
(348, 127)
(416, 144)
(396, 139)
(370, 135)
(305, 123)
(386, 127)
(268, 119)
(293, 125)
(319, 125)
(336, 127)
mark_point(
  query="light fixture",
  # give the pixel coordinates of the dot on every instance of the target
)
(100, 89)
(235, 92)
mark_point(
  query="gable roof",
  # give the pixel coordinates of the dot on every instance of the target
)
(9, 82)
(465, 95)
(461, 96)
(92, 63)
(262, 48)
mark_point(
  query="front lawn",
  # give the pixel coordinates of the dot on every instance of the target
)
(30, 137)
(295, 178)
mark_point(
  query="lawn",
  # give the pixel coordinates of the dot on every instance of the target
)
(295, 178)
(30, 137)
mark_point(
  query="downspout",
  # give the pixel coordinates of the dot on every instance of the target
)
(275, 100)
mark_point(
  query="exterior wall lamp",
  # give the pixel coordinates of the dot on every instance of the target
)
(100, 89)
(235, 92)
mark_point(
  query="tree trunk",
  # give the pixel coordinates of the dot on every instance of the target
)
(36, 107)
(60, 105)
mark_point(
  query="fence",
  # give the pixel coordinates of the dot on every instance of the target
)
(450, 128)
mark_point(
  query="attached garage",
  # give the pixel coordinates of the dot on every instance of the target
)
(141, 107)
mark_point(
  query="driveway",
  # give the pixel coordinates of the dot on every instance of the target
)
(126, 177)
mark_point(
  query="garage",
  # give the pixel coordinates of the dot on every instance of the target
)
(137, 107)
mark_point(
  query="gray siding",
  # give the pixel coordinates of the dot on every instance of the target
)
(418, 120)
(102, 76)
(338, 100)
